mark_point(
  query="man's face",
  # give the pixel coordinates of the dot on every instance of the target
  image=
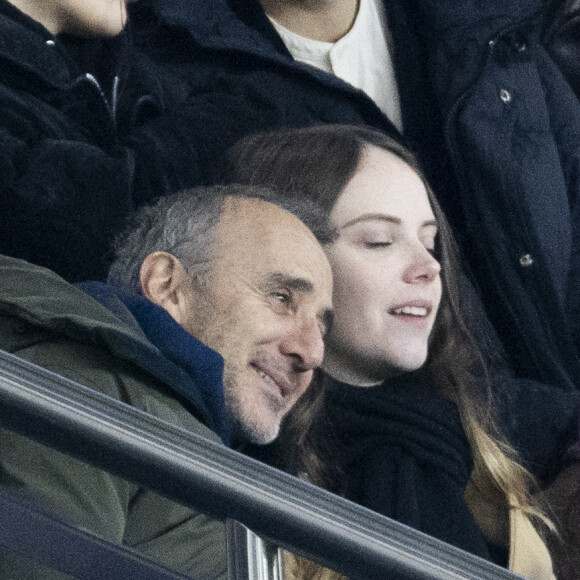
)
(265, 307)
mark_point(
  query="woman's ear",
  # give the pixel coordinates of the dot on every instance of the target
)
(165, 282)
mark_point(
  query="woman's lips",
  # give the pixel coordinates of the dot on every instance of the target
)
(415, 308)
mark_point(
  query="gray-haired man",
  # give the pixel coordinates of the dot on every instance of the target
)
(209, 283)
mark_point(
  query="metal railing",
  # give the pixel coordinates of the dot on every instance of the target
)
(206, 476)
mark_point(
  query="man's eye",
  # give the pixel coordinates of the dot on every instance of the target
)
(282, 297)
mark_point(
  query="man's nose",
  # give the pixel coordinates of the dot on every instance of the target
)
(304, 342)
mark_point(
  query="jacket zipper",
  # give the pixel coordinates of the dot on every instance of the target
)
(111, 104)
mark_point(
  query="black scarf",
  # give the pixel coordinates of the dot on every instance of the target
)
(404, 454)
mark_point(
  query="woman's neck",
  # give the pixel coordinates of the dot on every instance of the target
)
(349, 376)
(325, 20)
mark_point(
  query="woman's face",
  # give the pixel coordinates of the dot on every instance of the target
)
(387, 286)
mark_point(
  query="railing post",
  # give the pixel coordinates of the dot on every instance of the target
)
(250, 557)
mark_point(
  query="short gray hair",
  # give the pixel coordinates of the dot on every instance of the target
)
(184, 225)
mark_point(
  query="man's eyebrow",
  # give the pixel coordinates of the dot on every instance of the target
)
(293, 282)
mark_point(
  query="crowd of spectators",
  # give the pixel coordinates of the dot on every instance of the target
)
(109, 106)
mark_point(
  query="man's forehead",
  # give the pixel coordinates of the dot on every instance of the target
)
(247, 222)
(265, 240)
(239, 208)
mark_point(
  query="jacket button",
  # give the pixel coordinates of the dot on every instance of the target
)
(521, 47)
(526, 260)
(50, 43)
(505, 96)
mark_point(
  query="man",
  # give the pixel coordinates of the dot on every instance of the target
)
(211, 280)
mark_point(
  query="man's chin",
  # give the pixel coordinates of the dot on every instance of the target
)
(264, 438)
(254, 432)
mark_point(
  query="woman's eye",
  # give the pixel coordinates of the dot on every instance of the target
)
(433, 248)
(377, 244)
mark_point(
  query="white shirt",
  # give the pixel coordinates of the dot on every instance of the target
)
(361, 57)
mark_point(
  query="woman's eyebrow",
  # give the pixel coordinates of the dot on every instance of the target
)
(385, 218)
(370, 217)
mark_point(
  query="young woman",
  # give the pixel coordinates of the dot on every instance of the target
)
(404, 426)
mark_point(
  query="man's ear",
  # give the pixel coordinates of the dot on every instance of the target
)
(165, 282)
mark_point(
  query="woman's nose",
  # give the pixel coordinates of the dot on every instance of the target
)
(423, 266)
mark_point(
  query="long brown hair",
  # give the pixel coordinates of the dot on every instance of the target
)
(318, 162)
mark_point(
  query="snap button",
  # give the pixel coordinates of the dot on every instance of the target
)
(50, 43)
(526, 260)
(521, 46)
(505, 96)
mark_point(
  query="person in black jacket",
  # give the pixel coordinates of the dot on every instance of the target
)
(85, 133)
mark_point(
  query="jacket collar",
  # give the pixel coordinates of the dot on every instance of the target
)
(229, 26)
(220, 24)
(37, 60)
(96, 314)
(187, 366)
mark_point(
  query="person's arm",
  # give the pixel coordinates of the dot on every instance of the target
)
(64, 200)
(81, 495)
(74, 491)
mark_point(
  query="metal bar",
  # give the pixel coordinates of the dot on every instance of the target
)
(223, 483)
(263, 557)
(238, 560)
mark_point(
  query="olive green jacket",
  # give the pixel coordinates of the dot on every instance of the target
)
(53, 324)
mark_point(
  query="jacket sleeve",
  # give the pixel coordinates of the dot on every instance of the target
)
(55, 483)
(538, 419)
(561, 36)
(74, 491)
(85, 496)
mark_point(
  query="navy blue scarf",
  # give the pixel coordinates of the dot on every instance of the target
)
(186, 365)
